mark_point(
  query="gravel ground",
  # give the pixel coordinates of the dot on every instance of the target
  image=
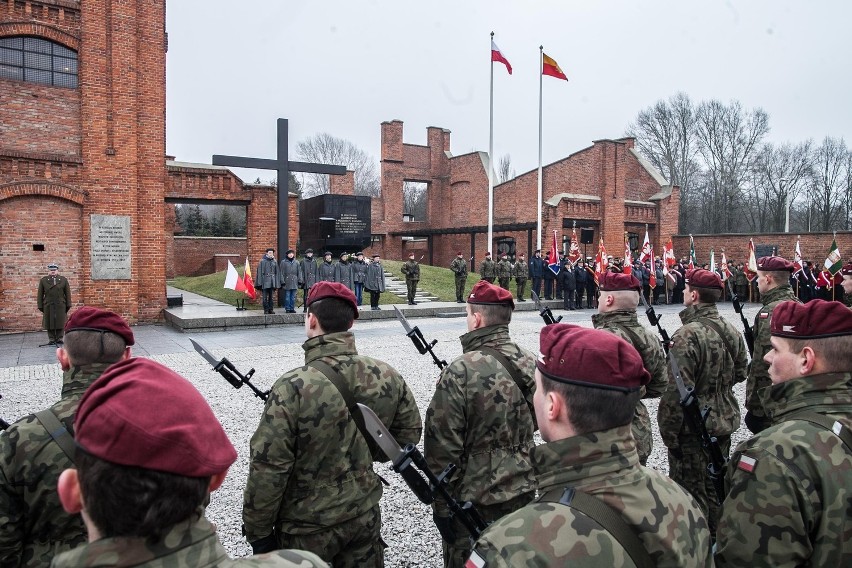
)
(407, 526)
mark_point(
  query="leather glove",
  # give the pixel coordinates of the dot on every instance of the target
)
(265, 544)
(445, 527)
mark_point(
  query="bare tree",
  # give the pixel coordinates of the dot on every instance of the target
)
(505, 172)
(325, 148)
(780, 176)
(666, 134)
(829, 185)
(414, 196)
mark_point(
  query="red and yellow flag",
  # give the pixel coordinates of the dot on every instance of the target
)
(550, 67)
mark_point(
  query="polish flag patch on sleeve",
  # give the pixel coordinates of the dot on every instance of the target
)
(746, 463)
(763, 315)
(475, 561)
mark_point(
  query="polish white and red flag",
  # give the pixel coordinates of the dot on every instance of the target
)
(726, 272)
(797, 259)
(497, 55)
(627, 265)
(647, 252)
(669, 259)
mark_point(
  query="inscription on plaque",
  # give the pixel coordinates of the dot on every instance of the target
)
(350, 224)
(110, 247)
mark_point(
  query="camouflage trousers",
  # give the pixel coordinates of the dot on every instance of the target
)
(357, 542)
(460, 288)
(457, 552)
(689, 469)
(504, 282)
(641, 428)
(522, 286)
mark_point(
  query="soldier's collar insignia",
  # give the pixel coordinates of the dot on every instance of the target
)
(747, 463)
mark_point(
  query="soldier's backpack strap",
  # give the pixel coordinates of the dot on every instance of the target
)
(721, 334)
(516, 374)
(633, 335)
(829, 424)
(58, 432)
(352, 405)
(605, 516)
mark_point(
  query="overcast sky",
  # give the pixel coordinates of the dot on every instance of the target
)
(344, 66)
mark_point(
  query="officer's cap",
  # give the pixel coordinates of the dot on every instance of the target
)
(52, 267)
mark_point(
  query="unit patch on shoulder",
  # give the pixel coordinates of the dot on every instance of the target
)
(764, 315)
(475, 561)
(746, 463)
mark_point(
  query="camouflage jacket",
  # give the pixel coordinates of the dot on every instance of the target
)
(459, 267)
(192, 543)
(521, 270)
(705, 363)
(33, 525)
(625, 324)
(758, 373)
(790, 485)
(504, 269)
(740, 279)
(478, 419)
(411, 270)
(603, 465)
(310, 467)
(488, 269)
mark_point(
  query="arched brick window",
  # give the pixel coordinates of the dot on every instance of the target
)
(38, 60)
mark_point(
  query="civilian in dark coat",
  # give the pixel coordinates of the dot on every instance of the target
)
(536, 265)
(580, 276)
(569, 285)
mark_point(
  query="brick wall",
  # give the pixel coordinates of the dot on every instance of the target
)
(195, 256)
(39, 119)
(814, 246)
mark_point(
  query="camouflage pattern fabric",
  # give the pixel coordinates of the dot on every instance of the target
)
(706, 365)
(459, 268)
(758, 374)
(521, 270)
(352, 544)
(411, 270)
(604, 465)
(625, 324)
(33, 525)
(479, 420)
(504, 273)
(192, 543)
(790, 485)
(488, 269)
(310, 467)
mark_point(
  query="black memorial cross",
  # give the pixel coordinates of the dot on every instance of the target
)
(283, 166)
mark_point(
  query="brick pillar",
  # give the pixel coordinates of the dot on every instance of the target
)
(342, 185)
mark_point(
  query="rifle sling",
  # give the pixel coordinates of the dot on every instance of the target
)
(606, 517)
(58, 432)
(721, 334)
(515, 373)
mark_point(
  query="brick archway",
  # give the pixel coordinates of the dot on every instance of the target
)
(40, 30)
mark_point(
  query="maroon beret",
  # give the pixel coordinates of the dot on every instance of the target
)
(486, 293)
(701, 278)
(846, 270)
(322, 290)
(139, 413)
(615, 281)
(487, 253)
(773, 263)
(95, 319)
(813, 320)
(459, 253)
(590, 358)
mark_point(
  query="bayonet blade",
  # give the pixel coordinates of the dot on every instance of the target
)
(403, 321)
(380, 434)
(204, 353)
(536, 299)
(684, 392)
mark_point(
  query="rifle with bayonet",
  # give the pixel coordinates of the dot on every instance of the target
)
(230, 372)
(696, 417)
(411, 465)
(544, 311)
(652, 317)
(748, 332)
(419, 341)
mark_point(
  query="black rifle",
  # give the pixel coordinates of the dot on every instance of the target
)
(652, 317)
(411, 465)
(230, 372)
(544, 311)
(696, 417)
(748, 332)
(419, 341)
(3, 424)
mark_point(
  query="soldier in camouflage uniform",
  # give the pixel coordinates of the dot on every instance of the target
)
(141, 478)
(488, 269)
(459, 268)
(33, 526)
(412, 276)
(617, 314)
(773, 282)
(504, 272)
(311, 483)
(521, 272)
(482, 421)
(712, 357)
(741, 282)
(790, 485)
(588, 383)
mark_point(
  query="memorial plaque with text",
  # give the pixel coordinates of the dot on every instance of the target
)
(110, 247)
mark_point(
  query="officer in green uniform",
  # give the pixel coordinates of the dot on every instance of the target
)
(741, 282)
(617, 314)
(588, 383)
(141, 478)
(311, 483)
(521, 272)
(54, 301)
(488, 269)
(712, 357)
(773, 282)
(33, 526)
(790, 485)
(504, 271)
(412, 276)
(459, 268)
(480, 419)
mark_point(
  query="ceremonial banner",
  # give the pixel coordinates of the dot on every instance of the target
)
(574, 252)
(627, 266)
(797, 258)
(750, 268)
(833, 263)
(647, 251)
(692, 261)
(249, 282)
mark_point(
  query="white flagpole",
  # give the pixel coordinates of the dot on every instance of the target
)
(540, 68)
(488, 245)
